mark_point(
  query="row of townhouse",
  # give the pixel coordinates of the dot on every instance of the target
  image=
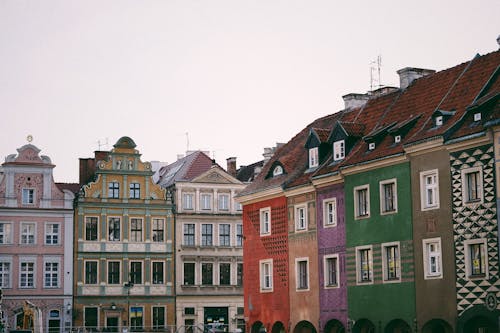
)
(383, 217)
(118, 251)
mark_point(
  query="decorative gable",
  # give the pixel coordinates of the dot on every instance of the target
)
(216, 175)
(343, 137)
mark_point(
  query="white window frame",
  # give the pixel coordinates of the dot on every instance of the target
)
(313, 157)
(385, 264)
(7, 235)
(439, 120)
(298, 288)
(28, 261)
(130, 229)
(120, 239)
(223, 200)
(120, 265)
(265, 225)
(134, 189)
(465, 186)
(424, 187)
(58, 273)
(184, 226)
(477, 116)
(52, 234)
(427, 255)
(85, 272)
(21, 233)
(339, 150)
(238, 238)
(158, 327)
(184, 273)
(371, 146)
(382, 196)
(213, 272)
(28, 196)
(326, 272)
(188, 201)
(468, 260)
(301, 219)
(326, 212)
(264, 288)
(142, 271)
(359, 280)
(357, 213)
(206, 201)
(88, 218)
(278, 170)
(153, 220)
(220, 227)
(9, 273)
(397, 139)
(163, 272)
(114, 191)
(212, 238)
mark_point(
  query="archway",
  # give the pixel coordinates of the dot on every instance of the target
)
(363, 326)
(437, 326)
(258, 327)
(304, 326)
(398, 326)
(334, 326)
(478, 324)
(278, 327)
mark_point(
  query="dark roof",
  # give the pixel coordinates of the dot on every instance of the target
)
(72, 187)
(185, 169)
(247, 173)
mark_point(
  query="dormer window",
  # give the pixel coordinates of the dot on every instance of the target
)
(313, 157)
(439, 120)
(338, 150)
(397, 139)
(278, 170)
(477, 116)
(371, 146)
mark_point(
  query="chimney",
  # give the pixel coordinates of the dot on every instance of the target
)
(408, 74)
(268, 153)
(355, 100)
(231, 166)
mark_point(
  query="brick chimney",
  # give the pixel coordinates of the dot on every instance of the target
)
(88, 166)
(231, 166)
(408, 74)
(355, 100)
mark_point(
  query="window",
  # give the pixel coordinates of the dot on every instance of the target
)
(239, 235)
(429, 189)
(135, 191)
(371, 146)
(223, 202)
(476, 258)
(313, 157)
(364, 264)
(158, 230)
(189, 273)
(239, 274)
(439, 120)
(52, 233)
(362, 201)
(300, 218)
(224, 274)
(330, 212)
(91, 318)
(5, 233)
(187, 201)
(207, 273)
(189, 311)
(472, 180)
(28, 196)
(158, 275)
(113, 272)
(51, 275)
(114, 229)
(391, 262)
(302, 275)
(206, 235)
(477, 116)
(27, 274)
(224, 235)
(206, 200)
(388, 196)
(189, 234)
(5, 274)
(91, 272)
(338, 150)
(266, 275)
(432, 258)
(135, 230)
(158, 317)
(331, 269)
(136, 272)
(27, 233)
(397, 138)
(278, 170)
(239, 206)
(113, 190)
(90, 228)
(136, 315)
(265, 221)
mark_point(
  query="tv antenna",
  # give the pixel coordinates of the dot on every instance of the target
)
(101, 144)
(375, 73)
(187, 142)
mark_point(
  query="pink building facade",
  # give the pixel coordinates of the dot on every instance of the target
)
(36, 243)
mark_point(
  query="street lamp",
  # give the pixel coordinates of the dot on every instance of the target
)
(128, 286)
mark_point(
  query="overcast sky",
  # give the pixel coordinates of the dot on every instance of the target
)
(237, 76)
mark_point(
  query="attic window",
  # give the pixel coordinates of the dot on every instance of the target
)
(477, 116)
(338, 150)
(397, 138)
(439, 120)
(278, 170)
(371, 145)
(313, 157)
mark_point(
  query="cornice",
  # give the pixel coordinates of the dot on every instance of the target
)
(470, 141)
(299, 190)
(271, 193)
(383, 162)
(328, 180)
(425, 147)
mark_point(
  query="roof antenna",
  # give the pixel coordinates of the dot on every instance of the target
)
(99, 144)
(187, 142)
(375, 67)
